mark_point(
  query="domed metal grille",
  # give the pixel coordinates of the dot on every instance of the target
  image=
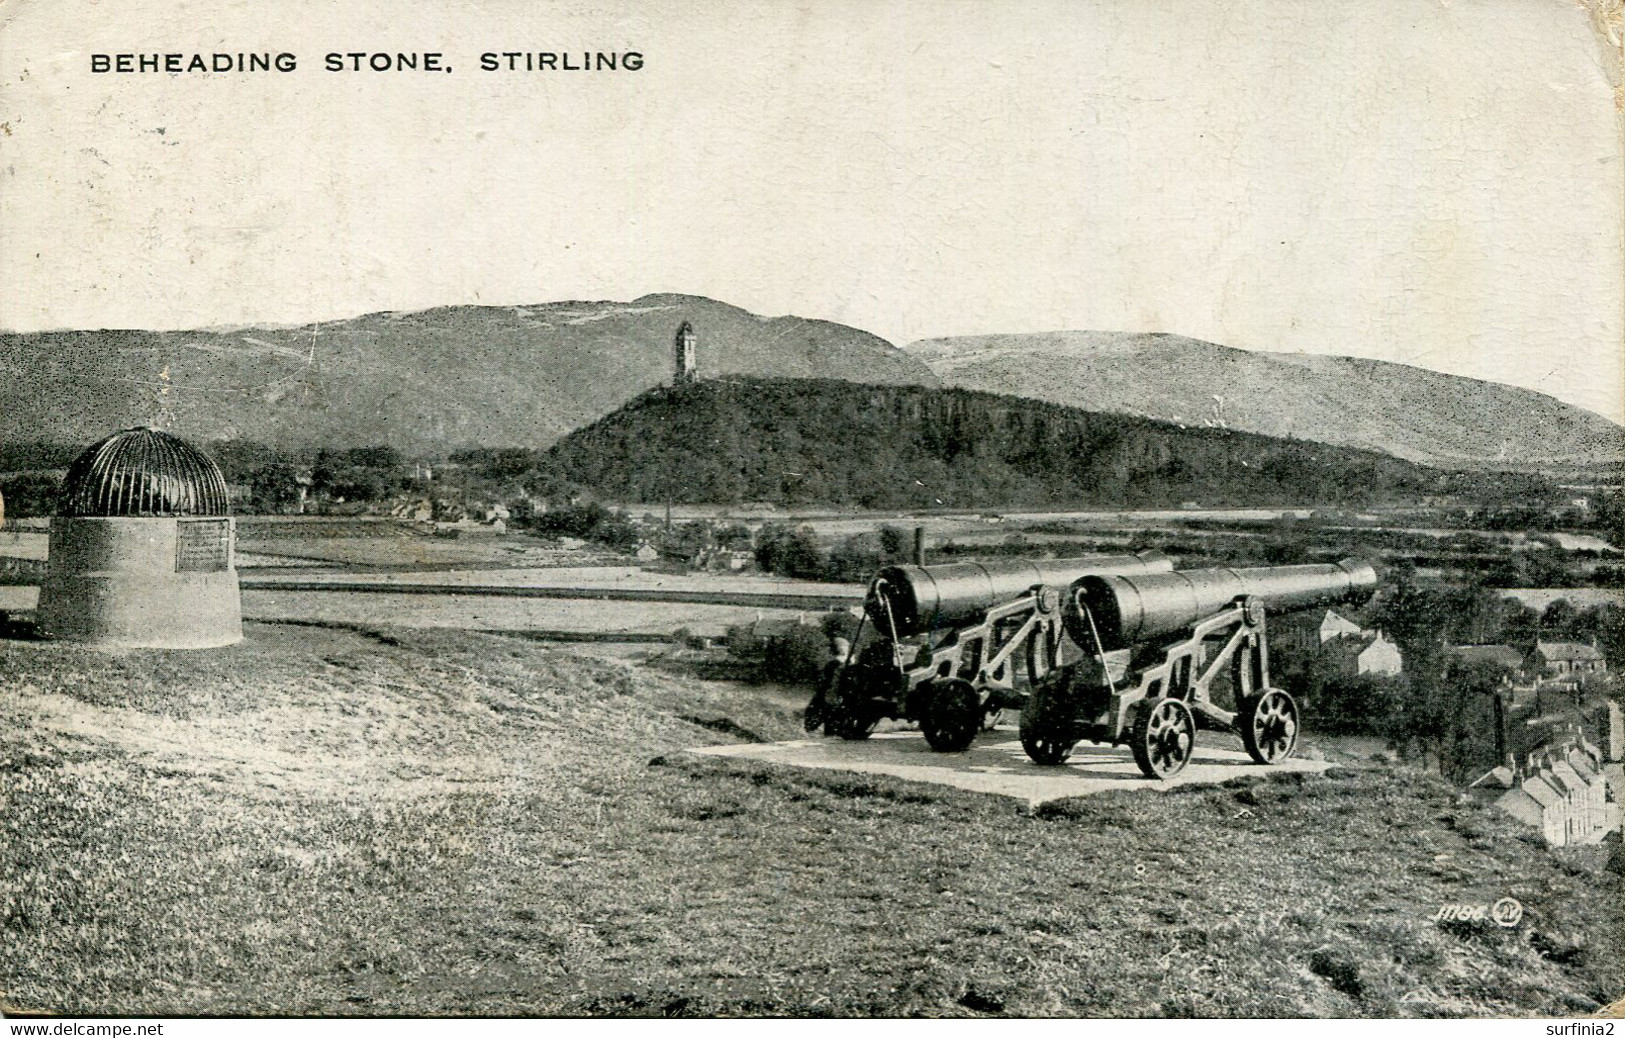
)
(144, 472)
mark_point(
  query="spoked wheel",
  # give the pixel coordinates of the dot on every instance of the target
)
(1269, 726)
(1163, 738)
(852, 726)
(952, 717)
(1041, 736)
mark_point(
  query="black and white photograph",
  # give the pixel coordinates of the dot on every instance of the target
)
(999, 510)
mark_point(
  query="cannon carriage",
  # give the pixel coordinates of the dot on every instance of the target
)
(1109, 649)
(952, 645)
(1186, 634)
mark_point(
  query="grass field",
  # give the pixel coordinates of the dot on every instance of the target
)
(332, 821)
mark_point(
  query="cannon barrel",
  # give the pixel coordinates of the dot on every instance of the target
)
(925, 598)
(1131, 608)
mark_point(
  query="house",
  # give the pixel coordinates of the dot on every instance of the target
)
(1555, 659)
(1561, 789)
(1333, 625)
(1380, 657)
(1535, 802)
(1299, 631)
(720, 560)
(1495, 781)
(755, 639)
(1615, 748)
(646, 552)
(1589, 769)
(1370, 654)
(1562, 776)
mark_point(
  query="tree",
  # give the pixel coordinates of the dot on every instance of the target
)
(274, 488)
(380, 457)
(31, 494)
(1558, 619)
(498, 464)
(734, 537)
(1359, 704)
(240, 459)
(856, 558)
(894, 543)
(793, 552)
(1449, 714)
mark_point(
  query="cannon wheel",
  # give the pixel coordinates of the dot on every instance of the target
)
(1269, 726)
(952, 717)
(1038, 735)
(851, 725)
(1163, 737)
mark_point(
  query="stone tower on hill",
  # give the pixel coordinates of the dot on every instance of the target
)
(686, 364)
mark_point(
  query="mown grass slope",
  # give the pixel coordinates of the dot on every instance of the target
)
(328, 821)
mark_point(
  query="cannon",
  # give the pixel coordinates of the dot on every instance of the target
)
(954, 644)
(1182, 633)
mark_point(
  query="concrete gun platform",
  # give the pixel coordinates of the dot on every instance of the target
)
(996, 763)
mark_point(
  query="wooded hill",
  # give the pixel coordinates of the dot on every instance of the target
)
(840, 443)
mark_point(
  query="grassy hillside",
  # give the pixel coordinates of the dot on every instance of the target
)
(902, 446)
(338, 822)
(432, 379)
(1401, 410)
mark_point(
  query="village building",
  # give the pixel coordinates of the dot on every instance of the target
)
(1577, 798)
(1556, 659)
(1561, 789)
(1370, 654)
(1589, 770)
(1335, 625)
(722, 560)
(1535, 802)
(1300, 631)
(1381, 657)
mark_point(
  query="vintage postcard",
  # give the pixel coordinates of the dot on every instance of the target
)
(904, 508)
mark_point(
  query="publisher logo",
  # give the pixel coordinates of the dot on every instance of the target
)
(1507, 912)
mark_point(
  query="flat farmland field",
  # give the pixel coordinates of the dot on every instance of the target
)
(390, 550)
(479, 612)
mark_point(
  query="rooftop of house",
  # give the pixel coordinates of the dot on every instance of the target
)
(1554, 652)
(1541, 790)
(1501, 777)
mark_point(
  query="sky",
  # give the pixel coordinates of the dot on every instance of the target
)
(1435, 183)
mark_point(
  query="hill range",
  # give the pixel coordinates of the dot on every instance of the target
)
(447, 377)
(438, 379)
(1409, 412)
